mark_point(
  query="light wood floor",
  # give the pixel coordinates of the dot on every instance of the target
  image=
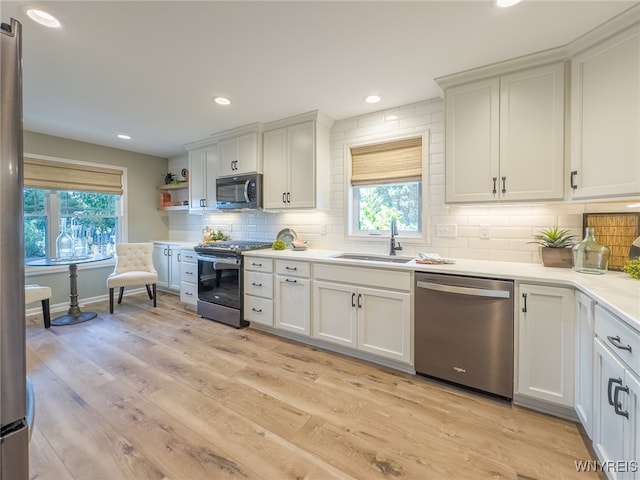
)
(162, 394)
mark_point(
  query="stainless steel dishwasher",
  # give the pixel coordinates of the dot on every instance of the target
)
(464, 331)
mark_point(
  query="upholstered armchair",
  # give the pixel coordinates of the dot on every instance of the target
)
(134, 267)
(35, 293)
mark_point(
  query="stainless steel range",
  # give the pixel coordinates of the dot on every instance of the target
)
(220, 285)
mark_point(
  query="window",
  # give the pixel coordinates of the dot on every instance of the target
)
(83, 200)
(386, 183)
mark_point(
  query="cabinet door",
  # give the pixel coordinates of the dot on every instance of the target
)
(293, 304)
(274, 143)
(384, 323)
(174, 267)
(585, 332)
(472, 141)
(228, 156)
(334, 318)
(532, 134)
(301, 179)
(161, 263)
(546, 344)
(608, 427)
(631, 405)
(197, 174)
(210, 175)
(606, 118)
(247, 153)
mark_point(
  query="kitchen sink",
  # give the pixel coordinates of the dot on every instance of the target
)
(373, 258)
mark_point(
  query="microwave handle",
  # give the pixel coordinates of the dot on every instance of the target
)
(246, 190)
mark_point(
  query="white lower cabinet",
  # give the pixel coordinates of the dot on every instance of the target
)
(616, 386)
(373, 320)
(166, 261)
(584, 331)
(546, 344)
(188, 277)
(293, 296)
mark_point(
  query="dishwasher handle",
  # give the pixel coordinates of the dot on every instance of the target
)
(478, 292)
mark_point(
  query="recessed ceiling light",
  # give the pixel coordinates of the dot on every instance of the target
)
(506, 3)
(124, 136)
(43, 18)
(372, 98)
(222, 100)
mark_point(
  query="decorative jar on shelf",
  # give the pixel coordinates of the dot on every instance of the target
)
(590, 256)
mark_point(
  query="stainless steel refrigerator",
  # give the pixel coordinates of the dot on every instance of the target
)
(14, 411)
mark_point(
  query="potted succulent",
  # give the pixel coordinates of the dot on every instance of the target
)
(555, 247)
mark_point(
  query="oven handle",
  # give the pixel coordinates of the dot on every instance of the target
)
(478, 292)
(222, 261)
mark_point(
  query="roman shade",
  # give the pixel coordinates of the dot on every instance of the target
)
(55, 175)
(389, 162)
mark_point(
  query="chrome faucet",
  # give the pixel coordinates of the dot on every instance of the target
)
(394, 231)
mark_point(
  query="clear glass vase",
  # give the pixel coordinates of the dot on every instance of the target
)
(64, 242)
(590, 256)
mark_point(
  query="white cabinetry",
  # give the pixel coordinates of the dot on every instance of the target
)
(616, 413)
(258, 290)
(297, 162)
(505, 137)
(203, 171)
(546, 344)
(188, 277)
(349, 310)
(585, 332)
(605, 125)
(293, 296)
(241, 153)
(166, 260)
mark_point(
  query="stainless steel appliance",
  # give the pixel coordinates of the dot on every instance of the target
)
(220, 285)
(464, 331)
(239, 192)
(15, 412)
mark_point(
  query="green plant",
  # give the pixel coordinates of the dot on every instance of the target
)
(554, 238)
(279, 245)
(632, 267)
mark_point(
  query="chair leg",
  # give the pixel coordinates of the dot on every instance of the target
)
(149, 291)
(154, 294)
(111, 300)
(120, 295)
(46, 313)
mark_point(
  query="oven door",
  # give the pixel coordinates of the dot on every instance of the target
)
(220, 289)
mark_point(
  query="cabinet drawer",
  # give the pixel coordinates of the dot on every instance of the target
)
(257, 264)
(188, 256)
(258, 310)
(189, 272)
(259, 284)
(188, 293)
(291, 267)
(623, 341)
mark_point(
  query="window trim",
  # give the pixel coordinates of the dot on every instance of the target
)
(351, 231)
(29, 271)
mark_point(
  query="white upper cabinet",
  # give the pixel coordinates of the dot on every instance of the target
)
(505, 137)
(203, 170)
(605, 124)
(240, 150)
(297, 162)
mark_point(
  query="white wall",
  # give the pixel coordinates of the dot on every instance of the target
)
(510, 227)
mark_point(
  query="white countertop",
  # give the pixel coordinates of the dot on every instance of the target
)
(617, 290)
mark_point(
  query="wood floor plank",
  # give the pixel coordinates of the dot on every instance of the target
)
(160, 393)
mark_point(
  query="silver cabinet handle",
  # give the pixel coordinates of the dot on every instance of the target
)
(290, 281)
(572, 182)
(188, 273)
(254, 264)
(353, 300)
(257, 310)
(359, 300)
(495, 179)
(524, 307)
(478, 292)
(504, 184)
(291, 268)
(617, 405)
(188, 294)
(615, 341)
(256, 284)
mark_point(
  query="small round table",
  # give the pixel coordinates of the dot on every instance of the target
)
(74, 315)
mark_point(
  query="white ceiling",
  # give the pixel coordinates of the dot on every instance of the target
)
(151, 68)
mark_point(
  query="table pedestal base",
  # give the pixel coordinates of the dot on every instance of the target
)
(72, 319)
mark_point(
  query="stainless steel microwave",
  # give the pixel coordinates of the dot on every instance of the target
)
(239, 192)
